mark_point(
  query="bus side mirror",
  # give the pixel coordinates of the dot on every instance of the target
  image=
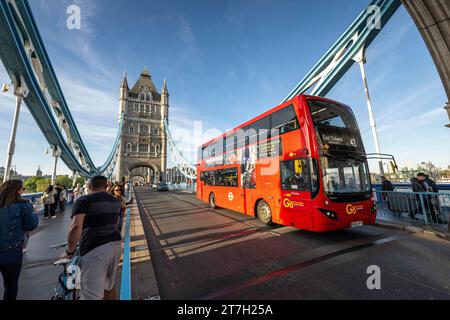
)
(298, 167)
(394, 167)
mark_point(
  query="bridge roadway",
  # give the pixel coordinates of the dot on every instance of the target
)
(201, 253)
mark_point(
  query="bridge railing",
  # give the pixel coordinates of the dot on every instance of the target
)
(184, 187)
(420, 207)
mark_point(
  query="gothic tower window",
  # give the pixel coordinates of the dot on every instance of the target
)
(149, 97)
(147, 108)
(129, 146)
(131, 129)
(143, 148)
(142, 96)
(143, 128)
(136, 107)
(157, 149)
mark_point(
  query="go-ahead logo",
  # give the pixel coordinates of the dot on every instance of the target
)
(291, 204)
(353, 209)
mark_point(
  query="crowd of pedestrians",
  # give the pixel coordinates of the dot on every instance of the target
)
(95, 232)
(54, 200)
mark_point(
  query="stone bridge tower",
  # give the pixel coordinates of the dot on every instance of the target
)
(143, 150)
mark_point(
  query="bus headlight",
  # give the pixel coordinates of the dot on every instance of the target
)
(329, 214)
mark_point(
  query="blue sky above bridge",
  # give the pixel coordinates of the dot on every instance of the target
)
(225, 62)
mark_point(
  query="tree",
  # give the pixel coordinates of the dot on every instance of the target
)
(31, 184)
(42, 184)
(80, 180)
(64, 180)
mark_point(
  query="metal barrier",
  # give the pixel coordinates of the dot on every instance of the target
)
(425, 207)
(189, 188)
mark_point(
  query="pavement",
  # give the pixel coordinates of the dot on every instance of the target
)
(201, 253)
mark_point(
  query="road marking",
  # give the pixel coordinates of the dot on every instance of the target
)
(284, 271)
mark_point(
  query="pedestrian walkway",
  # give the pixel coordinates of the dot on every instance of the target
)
(39, 275)
(388, 220)
(143, 282)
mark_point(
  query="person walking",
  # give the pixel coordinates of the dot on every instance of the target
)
(87, 188)
(17, 217)
(95, 219)
(432, 202)
(48, 198)
(118, 192)
(432, 186)
(417, 186)
(63, 199)
(386, 185)
(77, 192)
(57, 196)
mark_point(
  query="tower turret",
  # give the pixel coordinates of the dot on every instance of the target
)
(123, 95)
(165, 100)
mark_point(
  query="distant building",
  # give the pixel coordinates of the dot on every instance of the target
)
(426, 165)
(39, 172)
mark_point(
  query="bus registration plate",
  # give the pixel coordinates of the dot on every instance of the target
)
(357, 224)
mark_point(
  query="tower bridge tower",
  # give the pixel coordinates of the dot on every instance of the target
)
(144, 143)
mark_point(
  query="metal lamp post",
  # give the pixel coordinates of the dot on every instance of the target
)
(361, 60)
(20, 91)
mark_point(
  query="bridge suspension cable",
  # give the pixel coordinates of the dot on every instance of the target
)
(186, 168)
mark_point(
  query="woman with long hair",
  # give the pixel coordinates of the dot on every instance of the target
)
(17, 217)
(117, 192)
(48, 198)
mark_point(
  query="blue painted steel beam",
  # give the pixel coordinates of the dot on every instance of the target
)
(17, 64)
(19, 28)
(51, 81)
(340, 57)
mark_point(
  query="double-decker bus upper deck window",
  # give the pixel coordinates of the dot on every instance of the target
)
(262, 128)
(327, 114)
(284, 120)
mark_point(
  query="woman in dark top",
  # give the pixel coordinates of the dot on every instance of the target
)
(117, 192)
(17, 216)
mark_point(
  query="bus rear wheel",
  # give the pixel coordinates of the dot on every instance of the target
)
(212, 201)
(264, 212)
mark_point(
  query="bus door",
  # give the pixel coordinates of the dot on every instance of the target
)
(248, 178)
(296, 181)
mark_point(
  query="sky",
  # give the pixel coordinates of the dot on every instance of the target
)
(225, 62)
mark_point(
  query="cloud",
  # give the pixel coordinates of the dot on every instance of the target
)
(187, 37)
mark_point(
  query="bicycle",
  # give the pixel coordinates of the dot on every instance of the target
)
(67, 287)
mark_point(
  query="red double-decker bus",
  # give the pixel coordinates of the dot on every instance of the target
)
(300, 164)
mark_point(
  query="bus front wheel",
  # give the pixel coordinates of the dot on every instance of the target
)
(212, 201)
(264, 212)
